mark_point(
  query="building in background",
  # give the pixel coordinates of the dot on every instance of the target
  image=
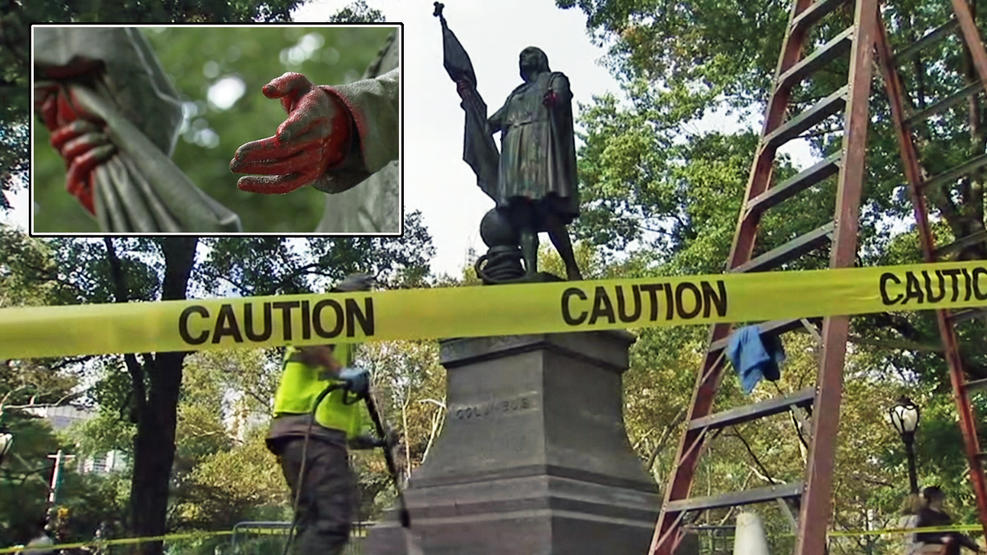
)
(64, 416)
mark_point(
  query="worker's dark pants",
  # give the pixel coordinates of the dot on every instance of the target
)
(325, 507)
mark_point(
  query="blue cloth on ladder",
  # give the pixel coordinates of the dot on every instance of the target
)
(755, 357)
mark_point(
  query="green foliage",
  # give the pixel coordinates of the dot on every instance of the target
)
(24, 477)
(662, 193)
(278, 265)
(357, 12)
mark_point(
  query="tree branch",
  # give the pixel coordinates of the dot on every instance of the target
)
(765, 474)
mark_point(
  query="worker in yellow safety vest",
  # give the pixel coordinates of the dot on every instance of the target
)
(311, 431)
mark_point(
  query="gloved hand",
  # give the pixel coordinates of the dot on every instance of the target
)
(313, 138)
(367, 441)
(357, 381)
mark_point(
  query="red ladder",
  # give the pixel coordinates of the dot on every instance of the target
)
(906, 120)
(840, 235)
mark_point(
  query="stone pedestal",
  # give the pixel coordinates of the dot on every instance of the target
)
(533, 457)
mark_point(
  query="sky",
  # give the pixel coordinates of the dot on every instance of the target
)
(436, 180)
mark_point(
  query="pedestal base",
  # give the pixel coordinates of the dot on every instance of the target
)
(533, 457)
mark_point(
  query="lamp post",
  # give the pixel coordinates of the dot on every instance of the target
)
(904, 416)
(6, 440)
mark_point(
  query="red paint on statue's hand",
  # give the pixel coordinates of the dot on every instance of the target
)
(550, 98)
(314, 137)
(78, 137)
(290, 87)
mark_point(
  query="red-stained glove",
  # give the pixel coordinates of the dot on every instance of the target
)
(315, 137)
(78, 137)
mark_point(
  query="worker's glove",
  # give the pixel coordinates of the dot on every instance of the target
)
(367, 441)
(356, 381)
(315, 137)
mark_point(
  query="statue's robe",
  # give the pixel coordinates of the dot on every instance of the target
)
(370, 178)
(538, 151)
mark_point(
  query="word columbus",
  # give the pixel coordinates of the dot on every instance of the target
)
(255, 322)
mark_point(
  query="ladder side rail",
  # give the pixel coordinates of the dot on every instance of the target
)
(909, 154)
(680, 481)
(971, 37)
(763, 166)
(687, 456)
(968, 424)
(817, 501)
(906, 146)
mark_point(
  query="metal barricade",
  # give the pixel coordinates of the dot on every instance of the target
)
(265, 537)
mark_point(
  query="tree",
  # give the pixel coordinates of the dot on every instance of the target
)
(357, 12)
(156, 381)
(664, 191)
(145, 389)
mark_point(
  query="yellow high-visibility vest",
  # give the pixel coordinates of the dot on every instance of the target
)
(301, 384)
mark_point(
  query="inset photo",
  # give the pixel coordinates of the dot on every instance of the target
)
(214, 130)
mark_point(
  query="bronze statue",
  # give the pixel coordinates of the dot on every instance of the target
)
(537, 177)
(533, 177)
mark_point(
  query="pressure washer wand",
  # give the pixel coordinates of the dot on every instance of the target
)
(389, 459)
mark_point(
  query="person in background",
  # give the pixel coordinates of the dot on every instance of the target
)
(932, 514)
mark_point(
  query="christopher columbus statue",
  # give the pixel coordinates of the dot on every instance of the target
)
(533, 177)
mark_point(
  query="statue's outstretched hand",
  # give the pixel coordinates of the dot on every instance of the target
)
(313, 138)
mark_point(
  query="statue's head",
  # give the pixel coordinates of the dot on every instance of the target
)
(533, 62)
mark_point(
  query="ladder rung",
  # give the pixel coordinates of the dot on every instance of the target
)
(754, 411)
(789, 251)
(814, 13)
(795, 184)
(952, 175)
(774, 327)
(815, 114)
(974, 385)
(756, 495)
(962, 315)
(930, 38)
(945, 103)
(831, 50)
(961, 244)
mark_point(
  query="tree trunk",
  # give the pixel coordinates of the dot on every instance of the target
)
(154, 450)
(156, 384)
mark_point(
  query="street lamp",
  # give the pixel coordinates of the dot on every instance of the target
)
(6, 440)
(904, 416)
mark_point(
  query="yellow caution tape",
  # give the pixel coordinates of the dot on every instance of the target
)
(121, 541)
(482, 311)
(887, 531)
(268, 531)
